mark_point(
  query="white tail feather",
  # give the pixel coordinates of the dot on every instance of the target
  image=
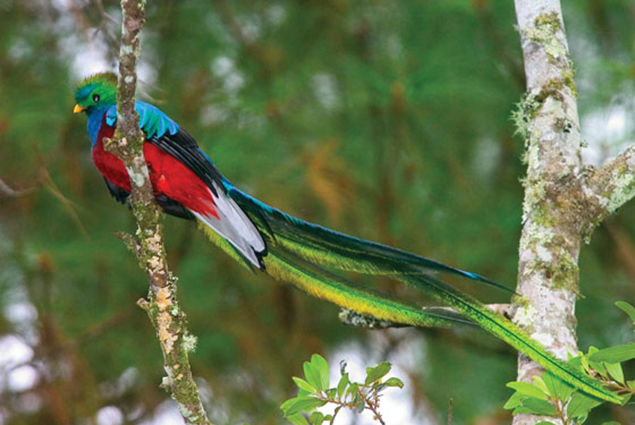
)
(234, 225)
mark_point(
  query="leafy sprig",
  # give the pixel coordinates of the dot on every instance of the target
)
(315, 391)
(549, 396)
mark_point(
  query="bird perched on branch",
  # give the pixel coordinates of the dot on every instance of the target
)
(187, 185)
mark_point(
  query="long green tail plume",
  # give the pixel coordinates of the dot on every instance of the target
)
(300, 253)
(310, 278)
(508, 332)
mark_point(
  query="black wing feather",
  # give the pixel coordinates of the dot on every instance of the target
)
(116, 192)
(168, 205)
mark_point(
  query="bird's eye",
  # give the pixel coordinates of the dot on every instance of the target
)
(95, 98)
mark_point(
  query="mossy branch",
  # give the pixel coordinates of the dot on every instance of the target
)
(162, 306)
(564, 198)
(548, 273)
(611, 186)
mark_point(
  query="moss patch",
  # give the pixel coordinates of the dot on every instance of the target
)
(546, 26)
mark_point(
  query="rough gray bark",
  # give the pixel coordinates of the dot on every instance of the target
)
(162, 306)
(564, 199)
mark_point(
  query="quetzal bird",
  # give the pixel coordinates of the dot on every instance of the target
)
(188, 185)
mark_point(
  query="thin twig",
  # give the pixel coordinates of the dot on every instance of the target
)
(7, 192)
(353, 318)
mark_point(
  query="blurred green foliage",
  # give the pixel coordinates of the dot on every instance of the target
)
(386, 120)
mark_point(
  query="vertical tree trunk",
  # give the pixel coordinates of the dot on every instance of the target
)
(552, 234)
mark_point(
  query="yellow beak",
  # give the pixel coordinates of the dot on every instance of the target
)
(78, 109)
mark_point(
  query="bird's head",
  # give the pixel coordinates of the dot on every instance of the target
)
(96, 92)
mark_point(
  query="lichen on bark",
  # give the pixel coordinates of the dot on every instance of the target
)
(162, 306)
(564, 198)
(550, 242)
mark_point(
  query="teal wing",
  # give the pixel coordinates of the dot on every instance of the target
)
(152, 120)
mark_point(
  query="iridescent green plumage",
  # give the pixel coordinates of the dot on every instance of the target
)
(305, 255)
(103, 84)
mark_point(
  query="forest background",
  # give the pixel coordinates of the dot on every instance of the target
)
(386, 120)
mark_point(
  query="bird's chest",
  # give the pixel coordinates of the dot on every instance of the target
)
(167, 175)
(111, 167)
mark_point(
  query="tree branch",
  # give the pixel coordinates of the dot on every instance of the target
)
(552, 222)
(7, 191)
(353, 318)
(611, 186)
(162, 306)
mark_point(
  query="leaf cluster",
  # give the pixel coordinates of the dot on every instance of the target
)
(550, 396)
(315, 391)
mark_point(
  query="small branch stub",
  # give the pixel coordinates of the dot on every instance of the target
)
(609, 187)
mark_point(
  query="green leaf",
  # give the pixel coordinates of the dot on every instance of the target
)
(583, 362)
(514, 401)
(316, 418)
(316, 372)
(297, 419)
(626, 308)
(285, 406)
(600, 368)
(375, 373)
(556, 387)
(577, 360)
(322, 367)
(618, 354)
(377, 386)
(580, 405)
(341, 386)
(545, 423)
(304, 385)
(529, 390)
(611, 423)
(301, 404)
(394, 382)
(615, 370)
(537, 407)
(311, 375)
(540, 383)
(352, 390)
